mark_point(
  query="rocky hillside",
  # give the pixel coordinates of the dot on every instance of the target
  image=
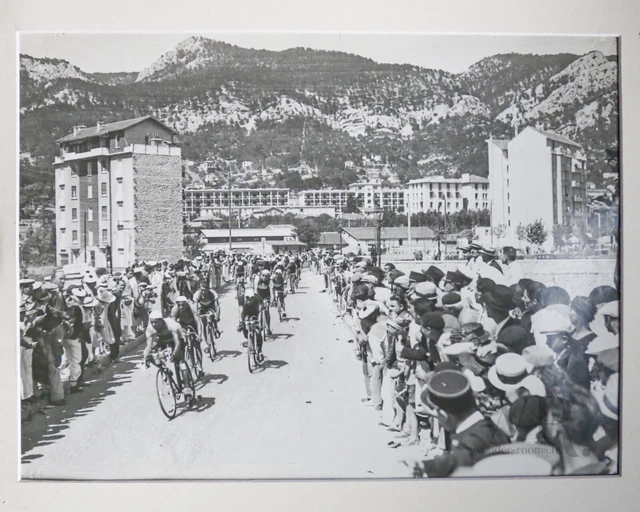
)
(281, 109)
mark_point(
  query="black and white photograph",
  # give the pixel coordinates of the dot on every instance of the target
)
(318, 255)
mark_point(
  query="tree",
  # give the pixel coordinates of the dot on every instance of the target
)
(560, 234)
(308, 232)
(521, 232)
(352, 205)
(535, 233)
(193, 244)
(500, 230)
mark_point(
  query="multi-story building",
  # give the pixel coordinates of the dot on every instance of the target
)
(537, 175)
(447, 194)
(366, 195)
(118, 191)
(245, 199)
(373, 194)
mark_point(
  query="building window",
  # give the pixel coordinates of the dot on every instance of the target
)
(74, 214)
(89, 214)
(103, 189)
(63, 230)
(105, 236)
(74, 192)
(89, 168)
(74, 236)
(89, 192)
(62, 208)
(90, 237)
(104, 215)
(116, 141)
(509, 210)
(61, 186)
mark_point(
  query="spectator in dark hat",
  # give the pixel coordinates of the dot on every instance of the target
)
(498, 302)
(515, 338)
(570, 425)
(434, 274)
(450, 398)
(582, 314)
(603, 294)
(527, 415)
(489, 257)
(432, 326)
(417, 277)
(554, 295)
(485, 285)
(531, 300)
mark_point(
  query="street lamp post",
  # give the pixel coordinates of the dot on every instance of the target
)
(376, 214)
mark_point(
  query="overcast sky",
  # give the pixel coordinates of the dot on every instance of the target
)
(109, 52)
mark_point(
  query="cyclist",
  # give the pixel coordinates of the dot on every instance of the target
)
(186, 314)
(263, 290)
(251, 309)
(239, 270)
(207, 303)
(165, 333)
(292, 272)
(277, 284)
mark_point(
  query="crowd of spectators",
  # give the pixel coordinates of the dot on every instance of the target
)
(486, 371)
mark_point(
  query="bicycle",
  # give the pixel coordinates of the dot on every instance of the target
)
(240, 288)
(292, 284)
(211, 333)
(253, 328)
(279, 303)
(193, 353)
(263, 318)
(167, 389)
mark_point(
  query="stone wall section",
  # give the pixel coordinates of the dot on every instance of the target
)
(158, 207)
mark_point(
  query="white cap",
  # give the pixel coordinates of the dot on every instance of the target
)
(155, 315)
(604, 341)
(182, 298)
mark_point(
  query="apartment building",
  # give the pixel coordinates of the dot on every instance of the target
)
(537, 175)
(217, 200)
(440, 193)
(118, 191)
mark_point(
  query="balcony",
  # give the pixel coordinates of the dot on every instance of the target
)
(92, 153)
(578, 199)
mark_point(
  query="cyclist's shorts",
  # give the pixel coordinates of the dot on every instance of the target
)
(264, 294)
(193, 325)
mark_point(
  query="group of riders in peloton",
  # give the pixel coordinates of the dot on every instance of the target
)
(261, 283)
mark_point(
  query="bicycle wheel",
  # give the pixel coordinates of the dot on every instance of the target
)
(212, 342)
(250, 349)
(190, 357)
(197, 350)
(166, 393)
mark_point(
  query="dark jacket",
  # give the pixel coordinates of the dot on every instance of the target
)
(467, 448)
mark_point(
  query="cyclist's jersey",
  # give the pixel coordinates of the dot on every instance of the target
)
(292, 267)
(186, 316)
(255, 268)
(263, 284)
(206, 299)
(251, 307)
(278, 282)
(164, 340)
(239, 269)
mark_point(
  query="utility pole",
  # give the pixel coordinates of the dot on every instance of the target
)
(229, 199)
(409, 223)
(85, 236)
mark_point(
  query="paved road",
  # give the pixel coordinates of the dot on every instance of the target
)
(301, 417)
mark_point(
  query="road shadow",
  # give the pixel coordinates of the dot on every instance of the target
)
(276, 336)
(227, 353)
(44, 429)
(219, 378)
(271, 365)
(202, 404)
(290, 318)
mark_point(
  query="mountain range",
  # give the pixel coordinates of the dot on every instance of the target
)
(281, 109)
